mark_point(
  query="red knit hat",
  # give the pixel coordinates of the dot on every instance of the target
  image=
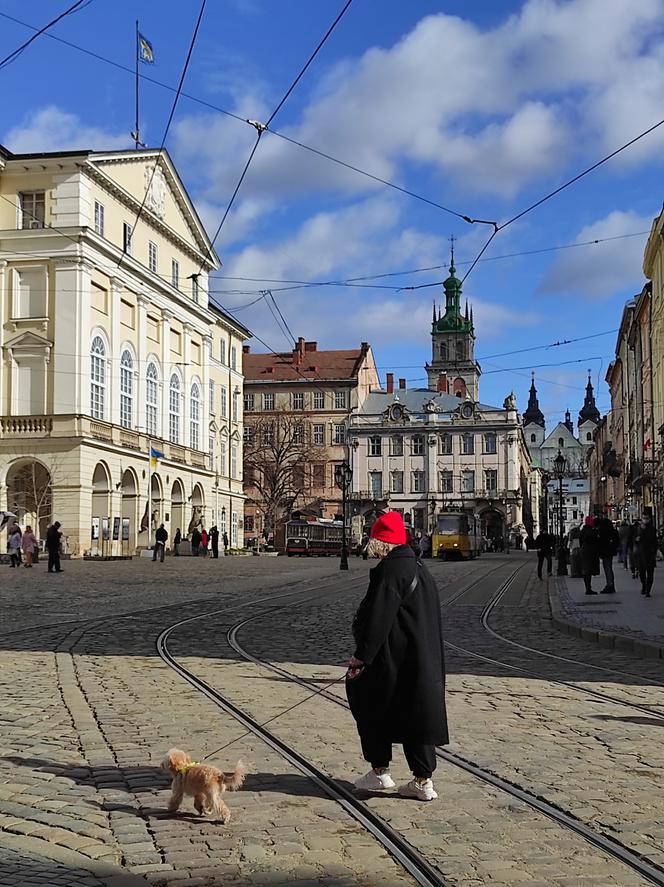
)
(390, 528)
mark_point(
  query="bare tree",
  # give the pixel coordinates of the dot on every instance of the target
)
(278, 454)
(31, 493)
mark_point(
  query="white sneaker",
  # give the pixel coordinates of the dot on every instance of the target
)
(423, 791)
(375, 782)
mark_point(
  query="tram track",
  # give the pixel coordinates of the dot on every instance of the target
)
(608, 845)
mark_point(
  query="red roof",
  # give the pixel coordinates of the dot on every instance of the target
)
(303, 363)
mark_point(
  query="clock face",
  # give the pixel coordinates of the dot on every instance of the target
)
(467, 411)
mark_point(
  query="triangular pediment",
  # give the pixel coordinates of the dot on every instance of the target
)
(28, 340)
(561, 430)
(133, 175)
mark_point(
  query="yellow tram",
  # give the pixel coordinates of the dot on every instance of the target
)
(457, 535)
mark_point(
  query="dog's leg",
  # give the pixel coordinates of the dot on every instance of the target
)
(223, 811)
(177, 795)
(199, 804)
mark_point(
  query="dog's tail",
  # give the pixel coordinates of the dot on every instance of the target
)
(233, 781)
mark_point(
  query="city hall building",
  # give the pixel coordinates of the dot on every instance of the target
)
(111, 349)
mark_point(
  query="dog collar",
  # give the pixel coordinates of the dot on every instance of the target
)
(186, 767)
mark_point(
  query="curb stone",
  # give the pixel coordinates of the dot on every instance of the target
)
(611, 640)
(109, 875)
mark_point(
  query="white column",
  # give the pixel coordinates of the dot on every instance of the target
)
(141, 358)
(72, 336)
(116, 341)
(166, 318)
(4, 406)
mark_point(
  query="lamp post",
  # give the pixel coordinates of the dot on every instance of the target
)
(559, 466)
(343, 476)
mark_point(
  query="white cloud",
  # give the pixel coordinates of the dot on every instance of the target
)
(52, 129)
(606, 269)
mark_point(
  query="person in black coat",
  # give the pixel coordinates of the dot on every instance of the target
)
(544, 545)
(177, 539)
(52, 544)
(589, 543)
(196, 540)
(214, 540)
(608, 545)
(645, 549)
(160, 539)
(396, 678)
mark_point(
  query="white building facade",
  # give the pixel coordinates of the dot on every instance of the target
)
(423, 451)
(109, 349)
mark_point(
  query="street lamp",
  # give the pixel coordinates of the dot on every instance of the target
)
(343, 476)
(559, 466)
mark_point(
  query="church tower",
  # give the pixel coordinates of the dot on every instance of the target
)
(589, 417)
(533, 420)
(453, 367)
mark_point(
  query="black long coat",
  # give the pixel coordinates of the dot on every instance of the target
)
(645, 546)
(589, 541)
(400, 693)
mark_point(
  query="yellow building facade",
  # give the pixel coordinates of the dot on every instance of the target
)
(110, 347)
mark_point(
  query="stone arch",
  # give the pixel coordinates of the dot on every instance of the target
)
(29, 493)
(492, 520)
(101, 507)
(459, 388)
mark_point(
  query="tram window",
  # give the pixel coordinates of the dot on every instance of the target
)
(448, 524)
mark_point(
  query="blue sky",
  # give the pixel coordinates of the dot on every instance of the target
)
(481, 107)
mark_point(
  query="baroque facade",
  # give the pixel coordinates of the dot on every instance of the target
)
(296, 411)
(426, 450)
(110, 348)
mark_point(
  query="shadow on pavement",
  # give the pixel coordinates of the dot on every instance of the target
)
(631, 719)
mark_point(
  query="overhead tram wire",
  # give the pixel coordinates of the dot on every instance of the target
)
(174, 105)
(274, 132)
(262, 127)
(8, 59)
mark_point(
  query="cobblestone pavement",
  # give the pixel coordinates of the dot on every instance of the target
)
(87, 711)
(626, 612)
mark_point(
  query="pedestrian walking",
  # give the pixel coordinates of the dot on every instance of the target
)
(14, 545)
(195, 542)
(214, 540)
(589, 553)
(28, 545)
(395, 681)
(177, 539)
(225, 539)
(204, 542)
(608, 545)
(645, 551)
(53, 542)
(160, 538)
(544, 545)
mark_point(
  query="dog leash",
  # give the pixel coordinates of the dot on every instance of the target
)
(277, 716)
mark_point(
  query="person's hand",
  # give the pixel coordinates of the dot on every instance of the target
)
(355, 666)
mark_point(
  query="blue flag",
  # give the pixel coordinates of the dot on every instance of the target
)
(155, 456)
(145, 51)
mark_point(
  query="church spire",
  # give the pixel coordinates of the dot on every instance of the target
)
(589, 411)
(568, 422)
(533, 415)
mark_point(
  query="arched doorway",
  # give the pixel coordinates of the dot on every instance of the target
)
(29, 494)
(129, 507)
(493, 528)
(101, 510)
(197, 508)
(177, 508)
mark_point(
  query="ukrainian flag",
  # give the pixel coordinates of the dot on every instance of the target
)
(155, 456)
(145, 51)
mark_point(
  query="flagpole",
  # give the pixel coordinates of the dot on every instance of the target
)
(137, 134)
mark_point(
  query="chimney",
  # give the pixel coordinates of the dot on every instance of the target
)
(246, 349)
(442, 383)
(390, 383)
(310, 346)
(402, 384)
(298, 351)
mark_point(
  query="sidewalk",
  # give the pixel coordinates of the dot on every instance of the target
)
(625, 620)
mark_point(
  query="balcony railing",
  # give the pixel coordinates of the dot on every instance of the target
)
(76, 426)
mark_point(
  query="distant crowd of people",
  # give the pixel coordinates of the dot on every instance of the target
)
(23, 546)
(202, 542)
(598, 542)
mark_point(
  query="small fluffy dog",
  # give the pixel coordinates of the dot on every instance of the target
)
(204, 783)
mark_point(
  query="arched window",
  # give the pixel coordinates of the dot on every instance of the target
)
(533, 438)
(561, 442)
(126, 389)
(174, 409)
(195, 417)
(588, 436)
(152, 400)
(97, 378)
(460, 350)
